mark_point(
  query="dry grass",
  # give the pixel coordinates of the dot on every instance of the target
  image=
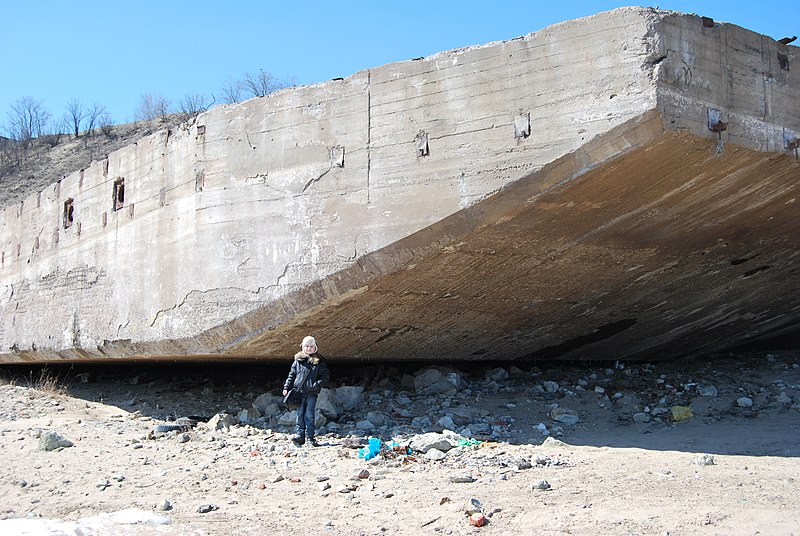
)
(47, 382)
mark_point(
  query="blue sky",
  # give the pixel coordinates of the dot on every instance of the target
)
(112, 52)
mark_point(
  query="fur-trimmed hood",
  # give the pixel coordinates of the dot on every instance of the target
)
(314, 358)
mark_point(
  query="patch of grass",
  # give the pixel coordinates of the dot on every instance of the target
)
(47, 383)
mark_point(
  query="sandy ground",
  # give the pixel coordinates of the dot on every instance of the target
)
(606, 474)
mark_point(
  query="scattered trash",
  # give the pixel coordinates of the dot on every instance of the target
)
(372, 449)
(477, 519)
(681, 413)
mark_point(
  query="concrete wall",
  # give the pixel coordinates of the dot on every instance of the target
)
(253, 201)
(749, 78)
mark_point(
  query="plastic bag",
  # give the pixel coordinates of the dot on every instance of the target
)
(372, 449)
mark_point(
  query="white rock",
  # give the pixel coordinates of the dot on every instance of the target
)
(435, 455)
(565, 415)
(50, 440)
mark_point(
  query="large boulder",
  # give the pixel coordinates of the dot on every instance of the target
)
(433, 381)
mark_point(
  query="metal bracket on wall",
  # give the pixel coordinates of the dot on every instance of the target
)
(421, 143)
(522, 125)
(715, 122)
(791, 141)
(337, 156)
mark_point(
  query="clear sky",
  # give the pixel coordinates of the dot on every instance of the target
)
(111, 52)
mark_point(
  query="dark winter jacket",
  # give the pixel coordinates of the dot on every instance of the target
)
(309, 374)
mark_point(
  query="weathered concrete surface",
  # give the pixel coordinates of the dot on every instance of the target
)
(619, 226)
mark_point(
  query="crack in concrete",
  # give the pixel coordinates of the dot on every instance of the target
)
(195, 291)
(311, 181)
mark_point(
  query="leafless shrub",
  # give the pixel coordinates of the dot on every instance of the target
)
(106, 123)
(232, 91)
(152, 106)
(261, 83)
(27, 119)
(93, 115)
(74, 116)
(191, 105)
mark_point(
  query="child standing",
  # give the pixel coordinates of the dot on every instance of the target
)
(308, 375)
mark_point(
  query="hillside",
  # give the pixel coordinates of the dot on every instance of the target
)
(50, 158)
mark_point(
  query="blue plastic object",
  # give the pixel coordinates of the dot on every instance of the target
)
(371, 450)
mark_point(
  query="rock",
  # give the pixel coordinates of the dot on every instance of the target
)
(248, 415)
(541, 485)
(435, 455)
(704, 459)
(707, 390)
(446, 422)
(377, 418)
(462, 479)
(784, 399)
(362, 474)
(744, 402)
(433, 381)
(184, 438)
(349, 397)
(551, 442)
(565, 415)
(327, 405)
(421, 422)
(364, 425)
(443, 442)
(268, 404)
(165, 506)
(522, 464)
(641, 417)
(50, 440)
(221, 421)
(206, 508)
(287, 418)
(496, 374)
(550, 387)
(473, 506)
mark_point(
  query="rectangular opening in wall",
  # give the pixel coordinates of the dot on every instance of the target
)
(199, 181)
(119, 194)
(69, 213)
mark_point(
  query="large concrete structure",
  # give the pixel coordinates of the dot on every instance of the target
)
(623, 186)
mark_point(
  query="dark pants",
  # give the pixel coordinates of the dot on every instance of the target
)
(305, 416)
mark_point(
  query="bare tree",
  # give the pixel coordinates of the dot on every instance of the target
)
(92, 115)
(74, 116)
(152, 106)
(261, 83)
(56, 131)
(27, 119)
(191, 105)
(106, 125)
(232, 91)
